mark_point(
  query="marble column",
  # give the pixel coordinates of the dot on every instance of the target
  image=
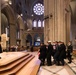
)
(12, 34)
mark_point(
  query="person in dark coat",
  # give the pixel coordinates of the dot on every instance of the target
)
(42, 55)
(69, 51)
(49, 53)
(62, 55)
(56, 53)
(0, 50)
(54, 49)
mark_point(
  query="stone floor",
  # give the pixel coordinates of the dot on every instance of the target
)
(67, 69)
(72, 65)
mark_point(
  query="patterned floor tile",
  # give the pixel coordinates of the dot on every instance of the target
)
(74, 69)
(44, 72)
(53, 68)
(71, 64)
(63, 72)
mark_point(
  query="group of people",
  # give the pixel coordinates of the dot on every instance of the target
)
(57, 50)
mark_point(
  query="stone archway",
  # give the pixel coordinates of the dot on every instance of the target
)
(9, 13)
(37, 40)
(4, 23)
(29, 40)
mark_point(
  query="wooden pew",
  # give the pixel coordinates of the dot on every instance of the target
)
(27, 64)
(11, 65)
(16, 68)
(31, 68)
(36, 68)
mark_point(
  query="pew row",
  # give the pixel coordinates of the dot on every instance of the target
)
(27, 64)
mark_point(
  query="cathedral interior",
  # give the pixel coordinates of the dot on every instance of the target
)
(27, 23)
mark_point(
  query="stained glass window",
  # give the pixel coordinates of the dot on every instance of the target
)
(38, 9)
(39, 23)
(34, 23)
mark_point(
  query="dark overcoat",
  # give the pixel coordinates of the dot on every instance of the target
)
(42, 52)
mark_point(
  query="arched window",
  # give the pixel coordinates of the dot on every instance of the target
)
(39, 23)
(34, 23)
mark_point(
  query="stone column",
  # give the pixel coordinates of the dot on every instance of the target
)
(12, 33)
(55, 21)
(51, 20)
(68, 26)
(55, 27)
(21, 37)
(46, 21)
(60, 20)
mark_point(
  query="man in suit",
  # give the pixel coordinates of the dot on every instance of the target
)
(42, 55)
(49, 53)
(62, 55)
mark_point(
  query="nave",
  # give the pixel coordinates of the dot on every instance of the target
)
(32, 65)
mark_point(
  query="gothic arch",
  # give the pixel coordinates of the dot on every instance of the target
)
(4, 23)
(20, 22)
(7, 10)
(37, 39)
(29, 39)
(9, 13)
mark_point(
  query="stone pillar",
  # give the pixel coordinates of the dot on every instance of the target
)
(68, 26)
(46, 21)
(61, 21)
(12, 33)
(21, 37)
(55, 21)
(51, 20)
(55, 26)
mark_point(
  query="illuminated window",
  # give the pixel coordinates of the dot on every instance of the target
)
(38, 9)
(34, 23)
(39, 23)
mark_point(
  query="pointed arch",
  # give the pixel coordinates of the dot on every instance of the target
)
(29, 39)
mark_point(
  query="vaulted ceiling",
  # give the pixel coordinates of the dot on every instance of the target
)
(28, 4)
